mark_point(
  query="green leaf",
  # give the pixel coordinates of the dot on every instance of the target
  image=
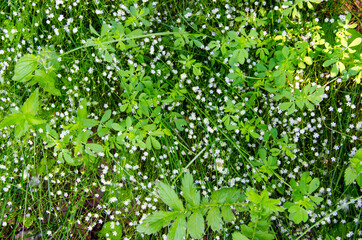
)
(262, 153)
(95, 147)
(46, 81)
(196, 225)
(179, 123)
(93, 30)
(31, 105)
(308, 60)
(316, 199)
(155, 143)
(329, 62)
(314, 184)
(291, 109)
(68, 159)
(106, 116)
(189, 190)
(117, 127)
(227, 213)
(169, 196)
(178, 228)
(156, 221)
(285, 51)
(239, 236)
(82, 110)
(350, 175)
(298, 214)
(12, 119)
(356, 42)
(25, 67)
(214, 219)
(285, 105)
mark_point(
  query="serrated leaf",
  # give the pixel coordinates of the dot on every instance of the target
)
(169, 196)
(11, 119)
(156, 221)
(196, 225)
(214, 219)
(46, 81)
(178, 228)
(31, 105)
(189, 190)
(350, 175)
(227, 214)
(25, 67)
(239, 236)
(298, 214)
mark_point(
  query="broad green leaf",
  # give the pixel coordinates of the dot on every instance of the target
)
(11, 119)
(169, 196)
(308, 60)
(288, 95)
(214, 219)
(155, 143)
(263, 235)
(196, 225)
(179, 123)
(285, 51)
(314, 184)
(189, 190)
(291, 109)
(148, 143)
(34, 120)
(106, 116)
(82, 110)
(350, 175)
(117, 127)
(178, 228)
(329, 62)
(95, 147)
(298, 214)
(316, 199)
(239, 236)
(25, 67)
(156, 221)
(31, 105)
(356, 42)
(90, 122)
(227, 213)
(68, 159)
(285, 105)
(262, 153)
(46, 81)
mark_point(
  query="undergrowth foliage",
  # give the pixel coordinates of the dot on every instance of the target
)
(180, 120)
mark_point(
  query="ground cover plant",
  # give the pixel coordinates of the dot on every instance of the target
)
(180, 119)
